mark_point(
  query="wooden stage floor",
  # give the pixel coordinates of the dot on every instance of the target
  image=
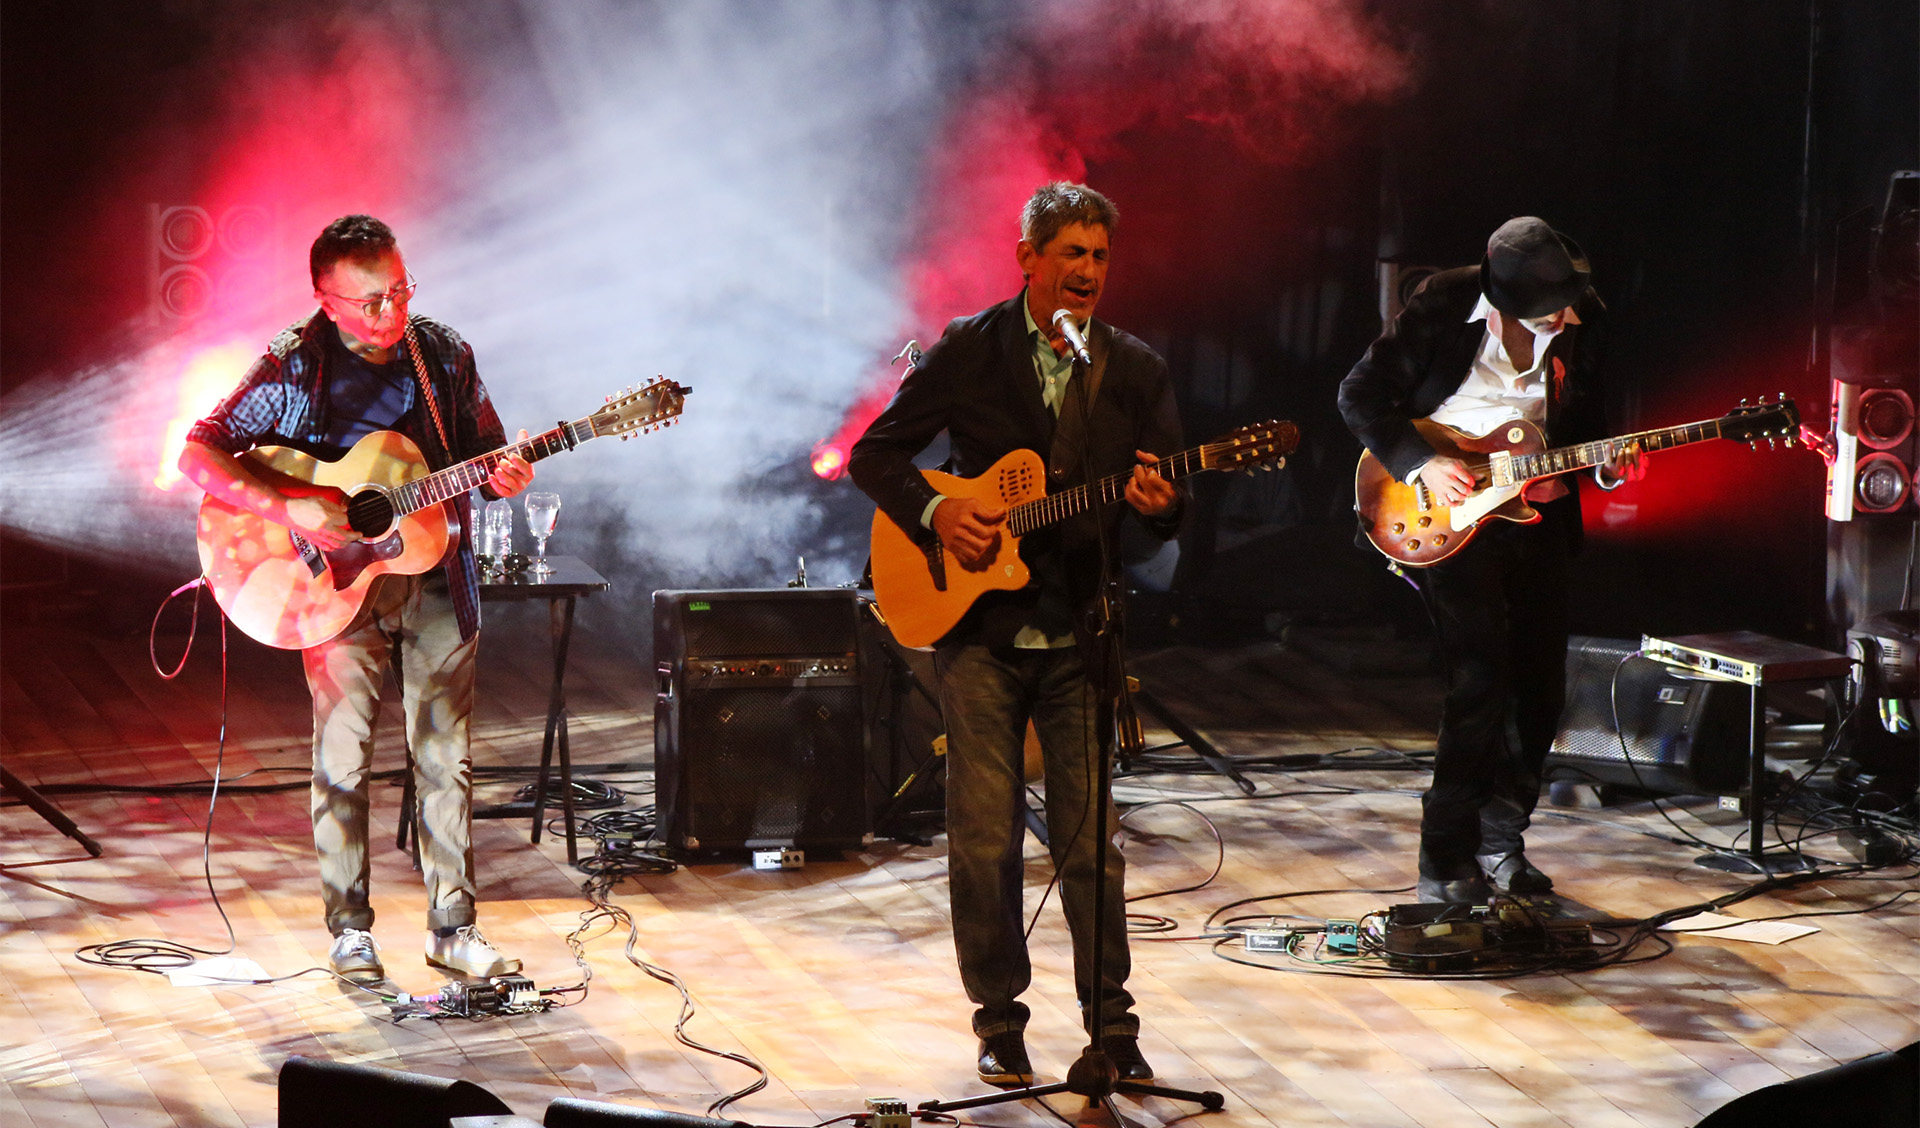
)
(839, 977)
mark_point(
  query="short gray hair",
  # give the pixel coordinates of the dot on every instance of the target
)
(1053, 206)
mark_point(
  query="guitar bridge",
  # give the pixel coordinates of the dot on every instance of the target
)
(316, 563)
(937, 564)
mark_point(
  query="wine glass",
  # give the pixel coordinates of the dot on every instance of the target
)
(543, 509)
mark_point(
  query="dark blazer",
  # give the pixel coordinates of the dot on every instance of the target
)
(978, 384)
(1425, 356)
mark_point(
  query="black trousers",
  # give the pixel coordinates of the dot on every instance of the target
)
(1499, 610)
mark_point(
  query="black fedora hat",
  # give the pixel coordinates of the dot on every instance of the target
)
(1531, 270)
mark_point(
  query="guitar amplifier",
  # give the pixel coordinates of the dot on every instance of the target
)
(760, 737)
(1676, 734)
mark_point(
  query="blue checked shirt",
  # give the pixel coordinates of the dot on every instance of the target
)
(283, 402)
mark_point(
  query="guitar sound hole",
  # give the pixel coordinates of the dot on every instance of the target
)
(370, 513)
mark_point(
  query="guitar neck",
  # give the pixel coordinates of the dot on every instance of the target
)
(1043, 511)
(1560, 460)
(456, 480)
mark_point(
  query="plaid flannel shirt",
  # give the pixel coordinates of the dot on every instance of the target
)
(283, 402)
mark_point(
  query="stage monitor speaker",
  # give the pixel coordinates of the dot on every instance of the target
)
(1878, 1091)
(324, 1094)
(1683, 735)
(759, 732)
(571, 1112)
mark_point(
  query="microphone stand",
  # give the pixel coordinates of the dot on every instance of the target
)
(1093, 1075)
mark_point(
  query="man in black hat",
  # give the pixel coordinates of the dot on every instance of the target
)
(1518, 337)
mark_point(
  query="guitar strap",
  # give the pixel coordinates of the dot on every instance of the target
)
(426, 389)
(459, 512)
(1064, 457)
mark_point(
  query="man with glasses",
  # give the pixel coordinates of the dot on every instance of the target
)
(358, 365)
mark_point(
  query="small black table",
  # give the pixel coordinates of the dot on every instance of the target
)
(570, 579)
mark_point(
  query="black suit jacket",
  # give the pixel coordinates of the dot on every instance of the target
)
(1425, 356)
(978, 384)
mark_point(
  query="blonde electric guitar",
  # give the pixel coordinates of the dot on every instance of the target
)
(923, 591)
(278, 588)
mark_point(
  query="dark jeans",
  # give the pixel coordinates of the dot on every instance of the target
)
(1499, 610)
(987, 695)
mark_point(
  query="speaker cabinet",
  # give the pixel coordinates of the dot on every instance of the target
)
(1876, 442)
(760, 738)
(571, 1112)
(1682, 735)
(324, 1094)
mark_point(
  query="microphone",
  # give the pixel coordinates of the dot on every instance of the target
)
(1063, 321)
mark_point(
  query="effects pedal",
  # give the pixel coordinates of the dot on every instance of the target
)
(779, 858)
(886, 1112)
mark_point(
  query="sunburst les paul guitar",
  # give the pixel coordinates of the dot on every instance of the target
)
(1407, 524)
(277, 587)
(923, 590)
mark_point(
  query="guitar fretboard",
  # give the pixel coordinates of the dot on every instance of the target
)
(456, 480)
(1042, 511)
(1546, 463)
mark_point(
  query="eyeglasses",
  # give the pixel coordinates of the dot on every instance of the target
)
(372, 307)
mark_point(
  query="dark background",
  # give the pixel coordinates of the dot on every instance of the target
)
(1710, 156)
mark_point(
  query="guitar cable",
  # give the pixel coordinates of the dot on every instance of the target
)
(161, 956)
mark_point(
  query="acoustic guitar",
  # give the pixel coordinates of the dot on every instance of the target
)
(1407, 524)
(278, 588)
(923, 591)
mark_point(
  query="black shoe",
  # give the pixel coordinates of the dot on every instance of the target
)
(1511, 872)
(1003, 1059)
(1123, 1050)
(1464, 891)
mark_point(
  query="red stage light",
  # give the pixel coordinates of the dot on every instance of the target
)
(829, 461)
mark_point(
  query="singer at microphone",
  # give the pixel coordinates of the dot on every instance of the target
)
(1000, 385)
(1063, 321)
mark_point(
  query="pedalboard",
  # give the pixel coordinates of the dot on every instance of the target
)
(1442, 937)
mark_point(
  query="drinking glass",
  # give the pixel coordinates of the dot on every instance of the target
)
(496, 541)
(543, 509)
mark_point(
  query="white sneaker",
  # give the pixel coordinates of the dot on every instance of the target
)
(356, 956)
(467, 952)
